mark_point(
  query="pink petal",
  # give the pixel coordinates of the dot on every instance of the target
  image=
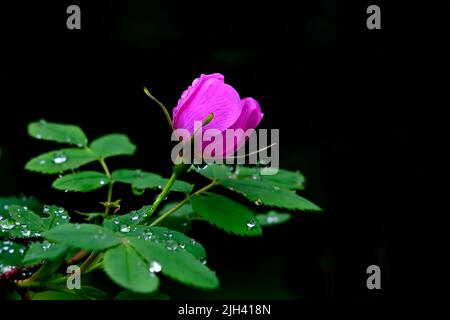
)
(208, 94)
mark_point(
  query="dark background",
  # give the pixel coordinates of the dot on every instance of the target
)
(361, 113)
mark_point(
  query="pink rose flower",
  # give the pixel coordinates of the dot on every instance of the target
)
(210, 94)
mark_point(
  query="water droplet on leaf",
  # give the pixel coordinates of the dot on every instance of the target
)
(155, 266)
(251, 224)
(125, 228)
(60, 158)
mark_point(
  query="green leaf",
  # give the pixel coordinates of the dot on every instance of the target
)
(272, 218)
(216, 172)
(266, 194)
(176, 264)
(129, 295)
(113, 145)
(32, 203)
(82, 182)
(270, 190)
(56, 216)
(11, 255)
(179, 220)
(26, 223)
(54, 295)
(83, 236)
(226, 214)
(147, 180)
(62, 133)
(126, 268)
(190, 245)
(283, 179)
(170, 238)
(61, 160)
(122, 222)
(63, 293)
(88, 293)
(39, 251)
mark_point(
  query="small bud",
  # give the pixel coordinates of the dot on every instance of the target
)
(147, 92)
(208, 119)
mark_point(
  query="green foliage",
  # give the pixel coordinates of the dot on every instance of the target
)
(176, 264)
(226, 214)
(29, 202)
(123, 222)
(24, 223)
(82, 182)
(113, 145)
(56, 132)
(61, 160)
(268, 190)
(39, 251)
(84, 293)
(11, 254)
(83, 236)
(125, 267)
(133, 248)
(141, 180)
(170, 238)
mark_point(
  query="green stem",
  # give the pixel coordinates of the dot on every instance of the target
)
(90, 261)
(105, 167)
(181, 203)
(165, 191)
(168, 213)
(163, 108)
(109, 198)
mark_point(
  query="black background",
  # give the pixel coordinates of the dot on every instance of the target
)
(361, 114)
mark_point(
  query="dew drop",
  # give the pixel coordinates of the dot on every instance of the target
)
(135, 218)
(125, 228)
(7, 224)
(203, 260)
(147, 235)
(256, 177)
(46, 208)
(26, 233)
(272, 219)
(46, 245)
(167, 234)
(276, 188)
(171, 245)
(251, 224)
(42, 161)
(182, 245)
(155, 266)
(102, 182)
(258, 202)
(60, 158)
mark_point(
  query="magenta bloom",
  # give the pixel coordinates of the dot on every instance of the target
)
(210, 94)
